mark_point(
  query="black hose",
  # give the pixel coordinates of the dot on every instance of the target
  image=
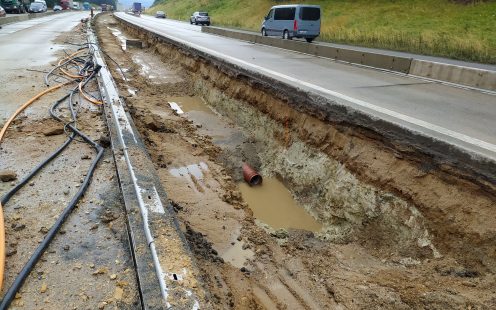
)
(26, 270)
(28, 267)
(40, 166)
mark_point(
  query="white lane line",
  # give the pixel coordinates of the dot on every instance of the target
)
(414, 121)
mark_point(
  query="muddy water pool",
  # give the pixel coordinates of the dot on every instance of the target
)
(271, 203)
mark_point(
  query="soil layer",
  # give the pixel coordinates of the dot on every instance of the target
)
(397, 232)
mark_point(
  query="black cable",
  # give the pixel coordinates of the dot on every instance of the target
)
(40, 166)
(28, 267)
(26, 270)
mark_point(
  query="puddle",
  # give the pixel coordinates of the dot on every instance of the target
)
(193, 173)
(118, 34)
(190, 104)
(210, 123)
(236, 256)
(150, 67)
(273, 204)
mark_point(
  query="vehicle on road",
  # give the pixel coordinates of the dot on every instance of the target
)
(292, 21)
(43, 2)
(15, 6)
(37, 7)
(137, 8)
(2, 12)
(201, 18)
(66, 4)
(57, 8)
(86, 6)
(160, 14)
(76, 6)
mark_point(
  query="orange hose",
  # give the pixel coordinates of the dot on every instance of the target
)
(67, 73)
(2, 134)
(86, 96)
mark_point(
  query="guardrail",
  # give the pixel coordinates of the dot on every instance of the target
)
(24, 17)
(466, 76)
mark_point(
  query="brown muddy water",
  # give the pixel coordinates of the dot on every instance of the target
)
(271, 203)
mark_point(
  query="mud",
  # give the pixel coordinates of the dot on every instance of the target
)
(88, 265)
(397, 232)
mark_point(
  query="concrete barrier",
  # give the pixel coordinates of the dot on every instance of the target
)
(466, 76)
(472, 77)
(24, 17)
(398, 64)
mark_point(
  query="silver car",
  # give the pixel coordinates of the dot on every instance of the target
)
(160, 14)
(200, 18)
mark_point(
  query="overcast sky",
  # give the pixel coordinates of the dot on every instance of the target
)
(129, 3)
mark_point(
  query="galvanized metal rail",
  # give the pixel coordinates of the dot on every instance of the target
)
(165, 269)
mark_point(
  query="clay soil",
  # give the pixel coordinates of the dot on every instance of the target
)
(379, 248)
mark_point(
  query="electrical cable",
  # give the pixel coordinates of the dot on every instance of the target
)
(11, 292)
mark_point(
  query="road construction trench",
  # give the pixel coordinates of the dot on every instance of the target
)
(271, 202)
(357, 242)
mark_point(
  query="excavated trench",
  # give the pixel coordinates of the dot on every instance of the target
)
(346, 217)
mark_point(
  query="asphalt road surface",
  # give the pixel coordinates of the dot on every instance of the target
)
(28, 44)
(459, 116)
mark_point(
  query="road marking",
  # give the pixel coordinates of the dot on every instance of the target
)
(414, 121)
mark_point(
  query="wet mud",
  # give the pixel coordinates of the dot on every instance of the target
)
(89, 264)
(383, 231)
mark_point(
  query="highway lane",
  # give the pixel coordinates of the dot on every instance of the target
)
(458, 116)
(29, 44)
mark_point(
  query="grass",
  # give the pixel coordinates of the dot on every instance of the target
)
(431, 27)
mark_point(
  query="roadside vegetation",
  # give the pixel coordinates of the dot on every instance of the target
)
(454, 29)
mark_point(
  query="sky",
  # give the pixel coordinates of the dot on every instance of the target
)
(129, 3)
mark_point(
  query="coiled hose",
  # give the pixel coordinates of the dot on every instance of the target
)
(83, 79)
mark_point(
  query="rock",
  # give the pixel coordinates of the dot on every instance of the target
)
(85, 156)
(66, 247)
(281, 233)
(7, 175)
(113, 276)
(18, 227)
(11, 252)
(43, 288)
(119, 293)
(53, 131)
(101, 270)
(104, 141)
(102, 305)
(43, 230)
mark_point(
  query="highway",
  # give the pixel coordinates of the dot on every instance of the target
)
(455, 115)
(29, 44)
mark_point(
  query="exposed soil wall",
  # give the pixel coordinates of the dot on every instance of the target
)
(372, 186)
(377, 249)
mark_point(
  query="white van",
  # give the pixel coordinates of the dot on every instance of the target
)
(293, 21)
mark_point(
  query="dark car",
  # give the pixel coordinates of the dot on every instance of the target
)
(200, 18)
(36, 7)
(2, 12)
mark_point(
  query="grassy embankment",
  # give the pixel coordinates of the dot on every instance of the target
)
(431, 27)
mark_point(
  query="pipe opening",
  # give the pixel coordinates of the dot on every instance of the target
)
(255, 180)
